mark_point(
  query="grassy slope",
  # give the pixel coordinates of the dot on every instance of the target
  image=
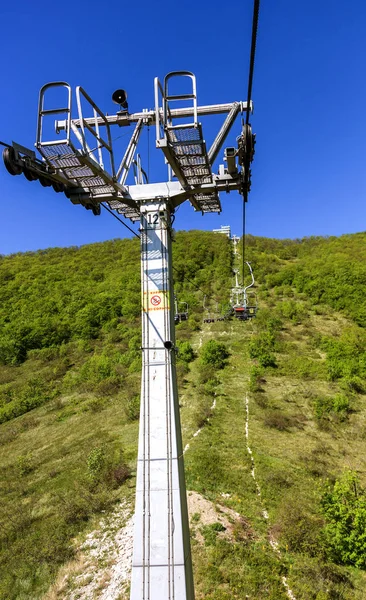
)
(47, 499)
(294, 450)
(290, 465)
(67, 457)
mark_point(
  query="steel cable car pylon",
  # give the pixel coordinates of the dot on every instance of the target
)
(161, 559)
(161, 566)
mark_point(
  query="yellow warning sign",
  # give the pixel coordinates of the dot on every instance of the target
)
(156, 300)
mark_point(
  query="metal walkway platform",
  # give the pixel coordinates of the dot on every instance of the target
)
(183, 145)
(189, 151)
(78, 168)
(83, 169)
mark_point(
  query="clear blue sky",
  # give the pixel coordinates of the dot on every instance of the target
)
(309, 92)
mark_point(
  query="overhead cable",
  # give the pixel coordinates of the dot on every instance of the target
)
(249, 99)
(252, 56)
(120, 220)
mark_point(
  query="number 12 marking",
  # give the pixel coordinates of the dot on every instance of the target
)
(153, 219)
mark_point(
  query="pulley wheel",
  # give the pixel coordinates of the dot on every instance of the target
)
(30, 175)
(58, 187)
(10, 161)
(248, 137)
(96, 209)
(44, 181)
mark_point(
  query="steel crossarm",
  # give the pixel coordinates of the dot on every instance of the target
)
(149, 116)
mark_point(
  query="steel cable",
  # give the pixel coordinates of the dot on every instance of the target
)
(120, 220)
(249, 99)
(252, 55)
(137, 235)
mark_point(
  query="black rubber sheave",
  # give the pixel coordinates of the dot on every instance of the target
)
(10, 162)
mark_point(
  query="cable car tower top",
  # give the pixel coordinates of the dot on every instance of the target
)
(80, 162)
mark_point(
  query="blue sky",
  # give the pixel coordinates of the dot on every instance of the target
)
(309, 95)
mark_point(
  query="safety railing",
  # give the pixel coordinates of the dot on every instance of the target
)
(94, 131)
(42, 112)
(176, 97)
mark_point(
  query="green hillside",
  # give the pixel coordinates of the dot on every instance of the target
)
(69, 398)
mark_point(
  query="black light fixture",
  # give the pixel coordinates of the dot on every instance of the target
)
(120, 97)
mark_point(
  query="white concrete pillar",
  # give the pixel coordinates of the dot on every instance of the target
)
(162, 566)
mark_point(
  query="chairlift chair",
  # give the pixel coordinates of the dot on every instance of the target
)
(180, 315)
(246, 309)
(252, 305)
(220, 316)
(183, 314)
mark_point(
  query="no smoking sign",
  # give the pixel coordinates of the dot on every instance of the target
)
(155, 300)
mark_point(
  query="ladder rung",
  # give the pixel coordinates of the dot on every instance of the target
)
(54, 111)
(181, 97)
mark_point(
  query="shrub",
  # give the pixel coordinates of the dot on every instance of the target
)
(205, 373)
(25, 464)
(277, 420)
(203, 411)
(32, 394)
(96, 462)
(12, 351)
(328, 407)
(106, 468)
(295, 311)
(210, 386)
(214, 354)
(260, 399)
(262, 347)
(210, 532)
(344, 508)
(120, 474)
(353, 384)
(299, 527)
(74, 507)
(346, 356)
(256, 379)
(185, 352)
(95, 405)
(132, 408)
(266, 320)
(6, 394)
(109, 386)
(302, 367)
(194, 322)
(182, 369)
(98, 373)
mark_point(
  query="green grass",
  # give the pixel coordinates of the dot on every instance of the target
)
(68, 457)
(293, 454)
(47, 497)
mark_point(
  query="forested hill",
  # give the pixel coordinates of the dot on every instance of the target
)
(51, 297)
(290, 385)
(328, 270)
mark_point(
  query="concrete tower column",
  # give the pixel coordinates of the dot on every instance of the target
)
(162, 566)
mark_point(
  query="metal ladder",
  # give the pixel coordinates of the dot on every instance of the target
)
(184, 146)
(84, 168)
